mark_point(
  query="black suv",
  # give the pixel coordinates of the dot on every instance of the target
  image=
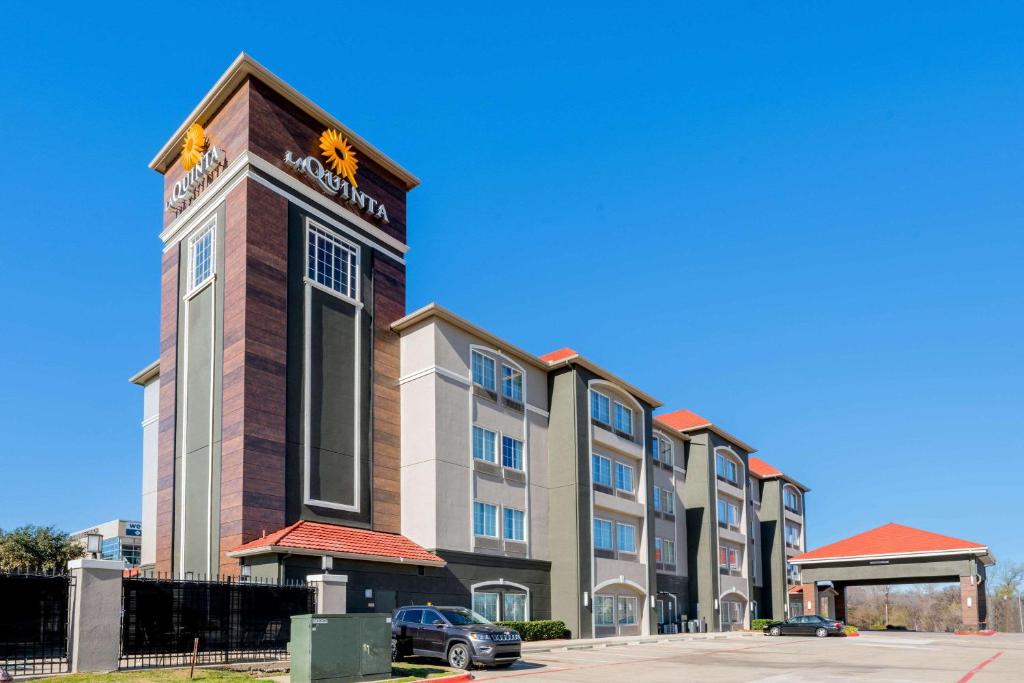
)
(455, 634)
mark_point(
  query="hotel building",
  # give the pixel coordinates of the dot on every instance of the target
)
(298, 420)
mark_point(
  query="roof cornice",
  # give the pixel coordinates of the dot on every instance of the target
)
(146, 374)
(244, 67)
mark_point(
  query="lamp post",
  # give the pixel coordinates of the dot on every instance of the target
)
(94, 545)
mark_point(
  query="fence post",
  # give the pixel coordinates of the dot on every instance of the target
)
(331, 592)
(95, 615)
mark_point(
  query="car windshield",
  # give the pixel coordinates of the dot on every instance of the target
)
(459, 616)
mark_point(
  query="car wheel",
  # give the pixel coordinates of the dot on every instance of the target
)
(775, 631)
(821, 632)
(395, 654)
(458, 656)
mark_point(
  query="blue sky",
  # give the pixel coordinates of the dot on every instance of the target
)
(802, 224)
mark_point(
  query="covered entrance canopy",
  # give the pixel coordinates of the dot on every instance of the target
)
(895, 554)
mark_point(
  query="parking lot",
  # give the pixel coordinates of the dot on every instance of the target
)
(886, 657)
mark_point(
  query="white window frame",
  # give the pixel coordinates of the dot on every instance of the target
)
(624, 410)
(667, 543)
(732, 558)
(518, 467)
(619, 600)
(209, 229)
(494, 444)
(505, 520)
(484, 507)
(484, 359)
(729, 506)
(611, 534)
(619, 526)
(593, 474)
(596, 398)
(668, 502)
(598, 612)
(513, 379)
(790, 490)
(632, 477)
(722, 457)
(351, 292)
(489, 594)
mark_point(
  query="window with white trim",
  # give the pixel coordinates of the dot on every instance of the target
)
(486, 605)
(791, 500)
(668, 502)
(664, 551)
(483, 370)
(627, 610)
(512, 528)
(792, 536)
(728, 559)
(604, 610)
(623, 419)
(514, 607)
(511, 453)
(727, 469)
(331, 262)
(661, 450)
(484, 441)
(728, 514)
(602, 470)
(202, 254)
(732, 612)
(512, 383)
(485, 519)
(600, 407)
(602, 534)
(625, 538)
(623, 477)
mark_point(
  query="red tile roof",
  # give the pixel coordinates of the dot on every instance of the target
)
(683, 420)
(342, 540)
(560, 354)
(889, 539)
(762, 469)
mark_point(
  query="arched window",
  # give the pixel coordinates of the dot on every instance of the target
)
(501, 600)
(661, 449)
(728, 466)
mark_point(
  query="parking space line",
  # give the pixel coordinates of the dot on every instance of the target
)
(970, 674)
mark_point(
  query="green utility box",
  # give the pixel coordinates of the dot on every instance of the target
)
(328, 648)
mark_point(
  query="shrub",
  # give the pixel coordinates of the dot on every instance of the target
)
(759, 624)
(849, 630)
(548, 629)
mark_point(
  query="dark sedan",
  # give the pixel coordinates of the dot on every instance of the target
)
(807, 625)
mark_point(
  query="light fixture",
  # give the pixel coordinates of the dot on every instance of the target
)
(326, 563)
(94, 545)
(586, 599)
(368, 593)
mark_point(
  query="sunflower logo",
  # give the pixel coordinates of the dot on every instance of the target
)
(193, 147)
(339, 154)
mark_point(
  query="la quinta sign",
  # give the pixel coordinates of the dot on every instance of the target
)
(340, 178)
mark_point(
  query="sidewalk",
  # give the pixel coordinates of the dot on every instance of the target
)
(589, 643)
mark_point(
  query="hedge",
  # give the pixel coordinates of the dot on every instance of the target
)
(759, 624)
(548, 629)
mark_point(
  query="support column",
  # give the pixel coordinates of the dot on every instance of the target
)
(331, 592)
(95, 630)
(969, 607)
(840, 614)
(810, 598)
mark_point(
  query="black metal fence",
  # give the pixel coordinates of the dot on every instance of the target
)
(233, 621)
(34, 623)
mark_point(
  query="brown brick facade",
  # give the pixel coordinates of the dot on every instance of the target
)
(255, 357)
(168, 408)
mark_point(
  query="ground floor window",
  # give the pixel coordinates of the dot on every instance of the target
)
(627, 610)
(732, 612)
(499, 603)
(604, 610)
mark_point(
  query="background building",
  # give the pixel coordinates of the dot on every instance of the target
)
(122, 540)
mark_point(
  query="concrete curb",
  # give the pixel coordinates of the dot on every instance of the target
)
(565, 646)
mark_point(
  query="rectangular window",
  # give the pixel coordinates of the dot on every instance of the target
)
(332, 262)
(484, 441)
(483, 370)
(623, 419)
(485, 519)
(732, 612)
(602, 470)
(486, 605)
(657, 499)
(602, 534)
(726, 469)
(600, 407)
(513, 525)
(728, 559)
(668, 502)
(511, 453)
(627, 610)
(623, 477)
(625, 537)
(668, 551)
(665, 451)
(792, 536)
(511, 384)
(604, 610)
(514, 607)
(201, 257)
(728, 514)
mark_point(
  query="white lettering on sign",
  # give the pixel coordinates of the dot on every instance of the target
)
(184, 189)
(333, 184)
(319, 621)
